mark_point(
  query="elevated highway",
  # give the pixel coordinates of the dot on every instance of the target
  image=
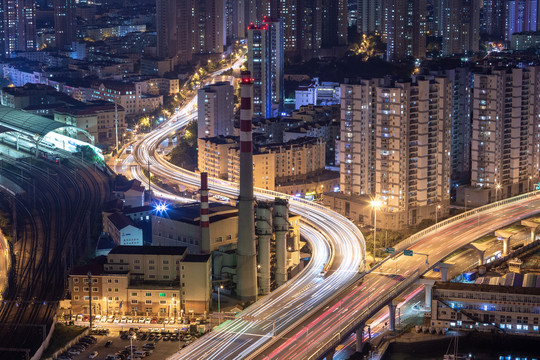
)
(307, 321)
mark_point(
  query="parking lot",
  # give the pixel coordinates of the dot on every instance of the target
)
(164, 347)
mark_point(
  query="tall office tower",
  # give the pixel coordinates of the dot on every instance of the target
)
(265, 62)
(406, 29)
(461, 22)
(216, 110)
(19, 25)
(246, 252)
(505, 145)
(334, 22)
(371, 16)
(521, 15)
(494, 17)
(64, 23)
(396, 146)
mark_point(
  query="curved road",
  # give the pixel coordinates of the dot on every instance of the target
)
(335, 237)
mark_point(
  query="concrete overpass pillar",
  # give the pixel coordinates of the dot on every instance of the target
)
(533, 226)
(391, 316)
(444, 271)
(360, 338)
(479, 252)
(428, 286)
(504, 236)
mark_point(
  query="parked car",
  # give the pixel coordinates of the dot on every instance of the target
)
(93, 355)
(108, 343)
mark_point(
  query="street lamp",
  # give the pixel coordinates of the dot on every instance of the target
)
(497, 188)
(375, 203)
(219, 301)
(529, 184)
(437, 214)
(134, 336)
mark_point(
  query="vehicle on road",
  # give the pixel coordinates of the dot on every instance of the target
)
(93, 355)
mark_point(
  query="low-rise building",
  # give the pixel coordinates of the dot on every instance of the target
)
(98, 118)
(156, 66)
(315, 93)
(179, 226)
(131, 193)
(128, 95)
(513, 309)
(122, 230)
(182, 283)
(213, 155)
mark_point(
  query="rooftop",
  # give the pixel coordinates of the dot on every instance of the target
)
(487, 288)
(202, 258)
(120, 221)
(149, 250)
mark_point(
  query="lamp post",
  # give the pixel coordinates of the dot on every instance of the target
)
(219, 301)
(529, 184)
(375, 203)
(437, 213)
(497, 188)
(131, 343)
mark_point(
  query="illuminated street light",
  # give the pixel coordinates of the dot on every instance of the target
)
(497, 188)
(437, 214)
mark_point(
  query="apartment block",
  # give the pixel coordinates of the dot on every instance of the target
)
(505, 149)
(461, 26)
(395, 146)
(216, 110)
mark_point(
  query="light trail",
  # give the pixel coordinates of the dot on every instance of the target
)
(330, 234)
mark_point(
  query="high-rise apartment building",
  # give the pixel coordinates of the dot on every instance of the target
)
(265, 62)
(19, 25)
(406, 29)
(494, 17)
(64, 23)
(521, 15)
(334, 22)
(188, 27)
(461, 26)
(395, 146)
(461, 80)
(371, 16)
(216, 110)
(505, 136)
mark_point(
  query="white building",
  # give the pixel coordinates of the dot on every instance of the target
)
(325, 93)
(122, 230)
(216, 110)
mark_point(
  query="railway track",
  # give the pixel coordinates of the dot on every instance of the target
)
(55, 224)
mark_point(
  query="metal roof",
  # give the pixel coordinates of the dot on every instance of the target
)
(27, 123)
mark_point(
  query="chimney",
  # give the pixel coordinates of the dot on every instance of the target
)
(205, 220)
(246, 287)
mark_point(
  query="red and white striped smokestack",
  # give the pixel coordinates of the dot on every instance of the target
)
(246, 287)
(205, 220)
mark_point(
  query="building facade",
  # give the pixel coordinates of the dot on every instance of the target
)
(461, 27)
(395, 146)
(266, 64)
(406, 29)
(19, 26)
(216, 110)
(476, 306)
(505, 143)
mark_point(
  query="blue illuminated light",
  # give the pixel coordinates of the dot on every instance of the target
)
(161, 207)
